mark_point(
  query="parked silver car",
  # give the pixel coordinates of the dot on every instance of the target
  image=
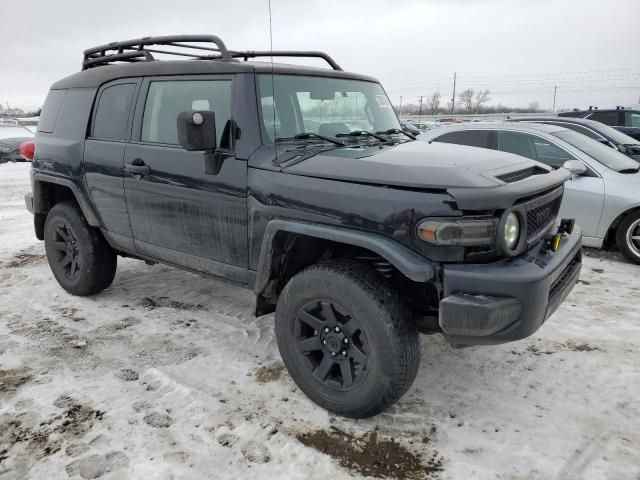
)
(604, 192)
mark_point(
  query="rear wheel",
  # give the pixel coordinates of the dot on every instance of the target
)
(628, 237)
(81, 260)
(347, 338)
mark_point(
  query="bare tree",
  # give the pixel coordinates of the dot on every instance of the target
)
(534, 106)
(482, 97)
(466, 99)
(433, 102)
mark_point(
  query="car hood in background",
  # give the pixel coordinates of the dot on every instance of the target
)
(14, 142)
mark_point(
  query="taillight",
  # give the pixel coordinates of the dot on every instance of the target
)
(27, 150)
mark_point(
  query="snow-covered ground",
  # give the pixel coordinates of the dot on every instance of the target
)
(167, 375)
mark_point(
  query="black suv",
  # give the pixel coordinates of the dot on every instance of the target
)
(297, 183)
(625, 120)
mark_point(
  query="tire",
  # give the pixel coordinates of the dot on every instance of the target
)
(370, 330)
(628, 237)
(81, 260)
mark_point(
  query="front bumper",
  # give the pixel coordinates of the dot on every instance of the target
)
(508, 300)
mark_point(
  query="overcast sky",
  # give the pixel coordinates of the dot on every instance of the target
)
(517, 49)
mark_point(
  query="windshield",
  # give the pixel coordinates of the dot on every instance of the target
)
(596, 150)
(323, 106)
(14, 132)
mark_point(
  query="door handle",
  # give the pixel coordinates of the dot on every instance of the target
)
(137, 167)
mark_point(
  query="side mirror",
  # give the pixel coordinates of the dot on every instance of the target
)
(576, 167)
(197, 130)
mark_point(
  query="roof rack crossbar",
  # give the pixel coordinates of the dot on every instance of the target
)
(131, 56)
(286, 53)
(100, 55)
(180, 54)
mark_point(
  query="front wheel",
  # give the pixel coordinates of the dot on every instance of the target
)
(628, 237)
(347, 338)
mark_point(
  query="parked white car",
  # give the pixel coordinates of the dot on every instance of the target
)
(604, 192)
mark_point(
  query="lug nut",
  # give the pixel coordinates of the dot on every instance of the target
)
(344, 352)
(315, 332)
(346, 340)
(337, 329)
(326, 329)
(333, 354)
(324, 342)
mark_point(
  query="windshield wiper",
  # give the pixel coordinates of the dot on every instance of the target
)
(363, 133)
(309, 135)
(392, 131)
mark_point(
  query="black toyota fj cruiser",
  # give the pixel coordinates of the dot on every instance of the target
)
(300, 184)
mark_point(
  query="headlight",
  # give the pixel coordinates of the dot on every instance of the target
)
(511, 231)
(457, 231)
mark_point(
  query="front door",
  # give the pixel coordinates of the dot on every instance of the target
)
(179, 213)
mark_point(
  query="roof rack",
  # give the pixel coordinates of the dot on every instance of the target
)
(138, 51)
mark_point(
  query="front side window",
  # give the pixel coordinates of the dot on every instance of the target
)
(533, 147)
(167, 99)
(580, 129)
(472, 138)
(294, 104)
(112, 113)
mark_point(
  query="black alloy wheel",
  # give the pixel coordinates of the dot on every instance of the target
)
(332, 345)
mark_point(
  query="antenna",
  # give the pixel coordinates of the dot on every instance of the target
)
(273, 87)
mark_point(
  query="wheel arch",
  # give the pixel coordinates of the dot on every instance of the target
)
(49, 190)
(277, 263)
(610, 237)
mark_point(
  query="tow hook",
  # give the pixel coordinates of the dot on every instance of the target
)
(551, 242)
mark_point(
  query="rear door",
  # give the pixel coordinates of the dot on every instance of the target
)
(179, 213)
(104, 155)
(584, 195)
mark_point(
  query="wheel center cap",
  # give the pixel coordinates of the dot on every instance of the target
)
(69, 249)
(333, 342)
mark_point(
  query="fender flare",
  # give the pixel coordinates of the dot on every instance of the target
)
(412, 265)
(83, 202)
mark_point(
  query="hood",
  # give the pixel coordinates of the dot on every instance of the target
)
(414, 165)
(14, 142)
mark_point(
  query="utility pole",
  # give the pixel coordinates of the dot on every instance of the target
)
(453, 99)
(400, 113)
(420, 112)
(555, 92)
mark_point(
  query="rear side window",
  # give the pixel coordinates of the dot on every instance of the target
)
(166, 99)
(608, 118)
(472, 138)
(50, 110)
(112, 113)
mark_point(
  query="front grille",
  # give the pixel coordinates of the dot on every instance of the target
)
(541, 213)
(565, 277)
(518, 175)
